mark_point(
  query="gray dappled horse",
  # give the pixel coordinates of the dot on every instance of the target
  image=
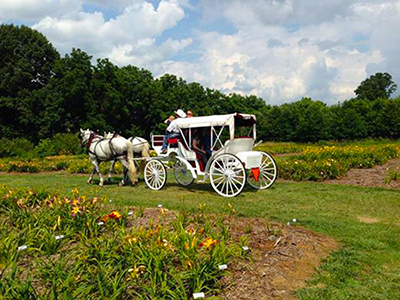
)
(101, 149)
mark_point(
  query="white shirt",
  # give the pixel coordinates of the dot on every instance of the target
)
(172, 127)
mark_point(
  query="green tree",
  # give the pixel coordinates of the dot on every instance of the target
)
(376, 86)
(64, 100)
(26, 62)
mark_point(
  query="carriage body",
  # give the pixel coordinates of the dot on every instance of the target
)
(229, 143)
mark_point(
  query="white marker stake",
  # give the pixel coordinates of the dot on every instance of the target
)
(245, 248)
(294, 220)
(20, 248)
(59, 237)
(159, 205)
(100, 223)
(222, 267)
(198, 295)
(130, 213)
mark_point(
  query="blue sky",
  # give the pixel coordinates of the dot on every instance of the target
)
(280, 50)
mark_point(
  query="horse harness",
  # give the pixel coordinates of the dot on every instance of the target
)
(113, 151)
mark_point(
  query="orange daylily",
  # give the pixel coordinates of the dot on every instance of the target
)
(208, 243)
(115, 215)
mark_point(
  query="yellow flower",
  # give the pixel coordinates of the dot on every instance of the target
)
(189, 264)
(75, 191)
(131, 239)
(193, 244)
(135, 272)
(208, 243)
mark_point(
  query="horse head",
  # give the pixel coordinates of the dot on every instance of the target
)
(85, 136)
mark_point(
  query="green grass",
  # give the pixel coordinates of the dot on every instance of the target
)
(367, 266)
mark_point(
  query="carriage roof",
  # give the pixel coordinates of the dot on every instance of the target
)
(217, 120)
(230, 120)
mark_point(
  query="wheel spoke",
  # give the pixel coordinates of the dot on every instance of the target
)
(219, 178)
(232, 182)
(265, 176)
(221, 167)
(222, 181)
(237, 181)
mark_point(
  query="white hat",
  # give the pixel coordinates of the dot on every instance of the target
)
(181, 113)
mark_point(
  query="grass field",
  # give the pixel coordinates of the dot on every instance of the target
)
(367, 265)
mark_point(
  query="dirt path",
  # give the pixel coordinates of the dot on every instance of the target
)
(282, 259)
(375, 177)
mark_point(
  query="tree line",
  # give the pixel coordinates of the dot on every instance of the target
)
(42, 94)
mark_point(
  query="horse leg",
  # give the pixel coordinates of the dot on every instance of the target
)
(96, 166)
(125, 163)
(112, 165)
(91, 176)
(124, 178)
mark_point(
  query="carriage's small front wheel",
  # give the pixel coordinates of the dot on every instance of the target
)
(182, 174)
(155, 174)
(265, 175)
(227, 175)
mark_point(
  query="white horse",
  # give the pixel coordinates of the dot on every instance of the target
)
(101, 149)
(141, 148)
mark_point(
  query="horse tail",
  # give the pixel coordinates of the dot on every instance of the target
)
(132, 168)
(145, 153)
(146, 149)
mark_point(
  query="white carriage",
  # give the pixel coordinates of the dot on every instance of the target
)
(229, 140)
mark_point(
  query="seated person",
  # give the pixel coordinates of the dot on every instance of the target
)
(198, 146)
(172, 130)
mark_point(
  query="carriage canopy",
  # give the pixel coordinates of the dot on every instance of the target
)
(230, 121)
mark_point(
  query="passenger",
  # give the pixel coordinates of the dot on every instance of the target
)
(172, 130)
(189, 114)
(198, 146)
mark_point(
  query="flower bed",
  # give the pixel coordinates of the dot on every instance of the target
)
(71, 164)
(81, 247)
(331, 162)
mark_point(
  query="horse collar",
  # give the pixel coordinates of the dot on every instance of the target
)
(92, 136)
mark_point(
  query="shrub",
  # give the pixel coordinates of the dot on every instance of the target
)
(16, 147)
(61, 143)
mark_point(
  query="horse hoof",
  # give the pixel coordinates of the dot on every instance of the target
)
(101, 184)
(89, 181)
(121, 183)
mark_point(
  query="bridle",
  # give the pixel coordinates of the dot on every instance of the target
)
(89, 140)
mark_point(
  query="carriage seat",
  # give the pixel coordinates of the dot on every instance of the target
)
(173, 143)
(238, 145)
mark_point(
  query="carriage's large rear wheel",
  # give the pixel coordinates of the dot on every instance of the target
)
(264, 176)
(182, 174)
(227, 175)
(155, 174)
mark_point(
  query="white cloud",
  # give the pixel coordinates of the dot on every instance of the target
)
(280, 50)
(325, 56)
(129, 38)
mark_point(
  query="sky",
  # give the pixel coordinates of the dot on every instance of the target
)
(279, 50)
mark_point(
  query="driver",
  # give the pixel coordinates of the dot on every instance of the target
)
(172, 130)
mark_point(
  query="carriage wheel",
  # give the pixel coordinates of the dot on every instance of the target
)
(182, 174)
(227, 175)
(155, 174)
(267, 173)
